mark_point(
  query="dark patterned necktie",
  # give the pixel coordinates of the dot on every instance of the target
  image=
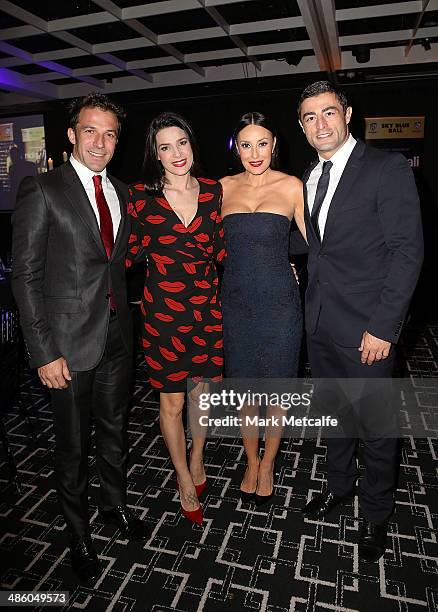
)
(106, 223)
(320, 194)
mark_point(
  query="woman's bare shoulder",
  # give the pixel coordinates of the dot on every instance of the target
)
(231, 179)
(288, 178)
(288, 181)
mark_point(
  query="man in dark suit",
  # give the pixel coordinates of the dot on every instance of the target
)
(365, 254)
(70, 235)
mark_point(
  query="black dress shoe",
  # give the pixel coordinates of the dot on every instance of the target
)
(129, 524)
(322, 504)
(84, 559)
(372, 541)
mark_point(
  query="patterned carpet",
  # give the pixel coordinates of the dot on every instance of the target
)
(266, 559)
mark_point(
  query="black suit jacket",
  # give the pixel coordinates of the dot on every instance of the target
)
(365, 270)
(61, 273)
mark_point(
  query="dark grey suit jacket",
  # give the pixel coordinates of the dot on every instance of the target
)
(61, 273)
(365, 270)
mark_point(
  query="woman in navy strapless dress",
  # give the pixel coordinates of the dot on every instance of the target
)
(262, 316)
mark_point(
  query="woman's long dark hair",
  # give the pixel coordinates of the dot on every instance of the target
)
(153, 171)
(255, 118)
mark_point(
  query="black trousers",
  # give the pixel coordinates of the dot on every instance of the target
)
(380, 454)
(101, 395)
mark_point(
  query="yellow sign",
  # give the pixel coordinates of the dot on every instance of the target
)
(383, 128)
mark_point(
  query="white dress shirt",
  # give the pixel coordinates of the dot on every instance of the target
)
(86, 177)
(339, 160)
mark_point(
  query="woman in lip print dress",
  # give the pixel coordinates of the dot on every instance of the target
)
(260, 299)
(176, 226)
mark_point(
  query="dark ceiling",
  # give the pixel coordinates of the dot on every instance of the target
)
(53, 50)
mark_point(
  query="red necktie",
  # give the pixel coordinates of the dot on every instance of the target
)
(106, 223)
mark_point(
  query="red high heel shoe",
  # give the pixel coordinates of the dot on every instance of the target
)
(200, 488)
(194, 516)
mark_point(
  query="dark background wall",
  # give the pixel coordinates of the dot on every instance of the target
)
(213, 110)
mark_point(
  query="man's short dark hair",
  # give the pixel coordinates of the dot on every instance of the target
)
(94, 100)
(322, 87)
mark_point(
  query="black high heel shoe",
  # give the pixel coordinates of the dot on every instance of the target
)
(245, 496)
(260, 500)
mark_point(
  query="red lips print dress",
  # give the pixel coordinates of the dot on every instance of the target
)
(182, 332)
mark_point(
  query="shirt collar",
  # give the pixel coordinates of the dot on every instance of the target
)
(84, 173)
(341, 156)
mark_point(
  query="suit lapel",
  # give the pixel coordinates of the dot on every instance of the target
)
(118, 240)
(349, 176)
(308, 172)
(75, 192)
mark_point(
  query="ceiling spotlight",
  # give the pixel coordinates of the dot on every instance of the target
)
(361, 53)
(293, 58)
(426, 44)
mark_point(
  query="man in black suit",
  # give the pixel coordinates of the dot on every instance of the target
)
(70, 235)
(365, 254)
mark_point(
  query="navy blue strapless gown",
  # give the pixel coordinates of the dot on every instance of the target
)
(261, 306)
